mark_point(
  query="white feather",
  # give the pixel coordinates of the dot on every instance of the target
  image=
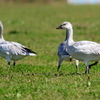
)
(64, 55)
(81, 50)
(13, 50)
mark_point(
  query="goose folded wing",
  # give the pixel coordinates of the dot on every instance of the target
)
(87, 47)
(62, 50)
(12, 48)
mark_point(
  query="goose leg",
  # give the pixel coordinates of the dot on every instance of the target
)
(76, 63)
(8, 60)
(59, 63)
(87, 67)
(8, 64)
(93, 64)
(14, 64)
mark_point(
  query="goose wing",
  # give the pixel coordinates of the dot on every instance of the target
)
(87, 47)
(14, 48)
(62, 50)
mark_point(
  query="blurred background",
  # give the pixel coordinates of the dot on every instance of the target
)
(32, 1)
(49, 1)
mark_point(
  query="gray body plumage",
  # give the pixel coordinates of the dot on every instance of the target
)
(63, 55)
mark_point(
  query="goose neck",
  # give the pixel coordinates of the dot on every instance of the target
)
(69, 36)
(66, 35)
(1, 34)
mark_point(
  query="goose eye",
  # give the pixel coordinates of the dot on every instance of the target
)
(64, 24)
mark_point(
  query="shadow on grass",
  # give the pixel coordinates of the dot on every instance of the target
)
(31, 70)
(53, 74)
(17, 32)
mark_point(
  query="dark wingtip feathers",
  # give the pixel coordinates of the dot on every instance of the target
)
(29, 50)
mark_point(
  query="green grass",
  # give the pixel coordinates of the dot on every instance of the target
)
(36, 78)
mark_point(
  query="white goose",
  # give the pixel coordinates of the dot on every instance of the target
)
(64, 55)
(82, 50)
(13, 50)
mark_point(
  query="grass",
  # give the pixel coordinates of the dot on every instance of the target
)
(36, 78)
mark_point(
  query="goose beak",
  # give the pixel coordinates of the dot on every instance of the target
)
(59, 27)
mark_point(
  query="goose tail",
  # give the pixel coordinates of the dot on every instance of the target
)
(30, 52)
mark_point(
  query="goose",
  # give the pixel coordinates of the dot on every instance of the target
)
(85, 51)
(13, 50)
(63, 55)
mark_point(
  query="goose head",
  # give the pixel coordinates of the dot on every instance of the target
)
(65, 25)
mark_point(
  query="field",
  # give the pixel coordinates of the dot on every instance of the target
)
(36, 78)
